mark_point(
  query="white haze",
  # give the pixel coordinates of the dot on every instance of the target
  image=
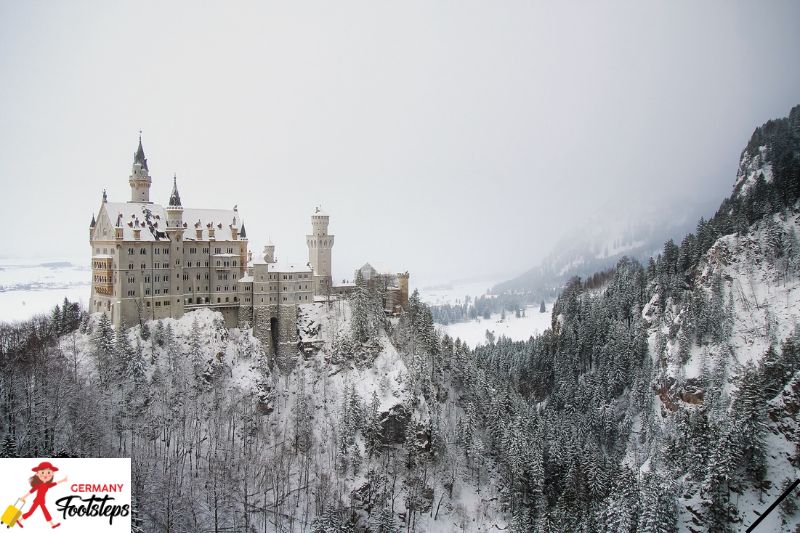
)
(452, 139)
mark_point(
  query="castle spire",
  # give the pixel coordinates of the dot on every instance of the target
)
(243, 233)
(139, 179)
(175, 198)
(139, 157)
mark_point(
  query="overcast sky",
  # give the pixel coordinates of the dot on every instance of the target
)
(449, 138)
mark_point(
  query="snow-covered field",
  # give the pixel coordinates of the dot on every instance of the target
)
(522, 328)
(454, 293)
(28, 288)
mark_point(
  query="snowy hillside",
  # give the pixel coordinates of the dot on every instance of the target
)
(348, 433)
(756, 276)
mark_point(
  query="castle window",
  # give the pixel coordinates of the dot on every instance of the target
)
(219, 300)
(148, 304)
(144, 266)
(143, 251)
(189, 300)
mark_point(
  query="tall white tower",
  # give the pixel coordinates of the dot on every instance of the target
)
(319, 252)
(174, 231)
(139, 179)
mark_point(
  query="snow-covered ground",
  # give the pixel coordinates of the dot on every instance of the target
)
(28, 288)
(522, 328)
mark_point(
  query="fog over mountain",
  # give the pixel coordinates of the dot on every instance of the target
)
(449, 139)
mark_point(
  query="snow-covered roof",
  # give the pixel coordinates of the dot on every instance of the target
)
(378, 268)
(246, 279)
(152, 220)
(288, 267)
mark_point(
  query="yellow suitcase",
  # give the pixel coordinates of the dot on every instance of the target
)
(11, 515)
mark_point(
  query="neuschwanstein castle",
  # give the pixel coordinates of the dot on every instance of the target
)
(151, 261)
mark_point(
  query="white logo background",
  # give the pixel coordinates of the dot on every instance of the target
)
(15, 474)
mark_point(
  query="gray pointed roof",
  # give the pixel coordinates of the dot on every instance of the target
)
(139, 157)
(175, 198)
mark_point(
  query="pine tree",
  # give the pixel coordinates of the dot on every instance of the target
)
(103, 349)
(750, 416)
(9, 447)
(720, 512)
(385, 522)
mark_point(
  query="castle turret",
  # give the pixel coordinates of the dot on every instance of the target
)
(269, 252)
(174, 231)
(139, 179)
(402, 282)
(319, 252)
(174, 208)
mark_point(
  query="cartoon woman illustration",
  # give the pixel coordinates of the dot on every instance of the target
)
(41, 482)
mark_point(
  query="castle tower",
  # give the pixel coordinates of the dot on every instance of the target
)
(269, 252)
(139, 179)
(319, 252)
(402, 282)
(174, 232)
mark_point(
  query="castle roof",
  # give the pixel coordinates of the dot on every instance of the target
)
(139, 157)
(175, 198)
(287, 268)
(152, 220)
(377, 268)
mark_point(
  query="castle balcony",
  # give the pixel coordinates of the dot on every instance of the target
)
(102, 274)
